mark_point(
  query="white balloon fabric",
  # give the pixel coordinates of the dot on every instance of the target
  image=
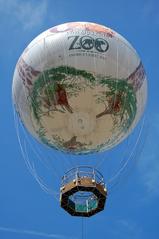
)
(79, 87)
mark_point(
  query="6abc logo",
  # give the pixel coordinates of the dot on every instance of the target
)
(88, 43)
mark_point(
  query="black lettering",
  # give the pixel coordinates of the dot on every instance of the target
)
(87, 42)
(74, 42)
(101, 45)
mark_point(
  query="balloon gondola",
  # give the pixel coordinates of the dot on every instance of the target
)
(80, 88)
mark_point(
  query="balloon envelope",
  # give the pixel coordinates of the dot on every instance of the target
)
(79, 87)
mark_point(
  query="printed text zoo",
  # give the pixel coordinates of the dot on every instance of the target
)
(88, 43)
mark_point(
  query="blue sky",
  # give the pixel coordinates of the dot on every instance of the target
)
(132, 210)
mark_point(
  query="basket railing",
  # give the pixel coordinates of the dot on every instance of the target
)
(83, 172)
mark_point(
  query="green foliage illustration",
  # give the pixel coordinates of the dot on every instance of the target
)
(45, 85)
(117, 96)
(120, 88)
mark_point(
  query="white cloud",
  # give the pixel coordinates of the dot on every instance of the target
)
(29, 13)
(33, 233)
(149, 163)
(148, 9)
(126, 228)
(150, 12)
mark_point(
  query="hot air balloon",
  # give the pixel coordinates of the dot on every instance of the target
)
(80, 88)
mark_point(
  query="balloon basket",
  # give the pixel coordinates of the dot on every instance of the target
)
(83, 192)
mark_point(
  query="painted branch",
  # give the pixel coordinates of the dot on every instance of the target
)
(105, 112)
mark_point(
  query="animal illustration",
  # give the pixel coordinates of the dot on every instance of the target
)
(73, 143)
(114, 105)
(87, 43)
(55, 95)
(99, 43)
